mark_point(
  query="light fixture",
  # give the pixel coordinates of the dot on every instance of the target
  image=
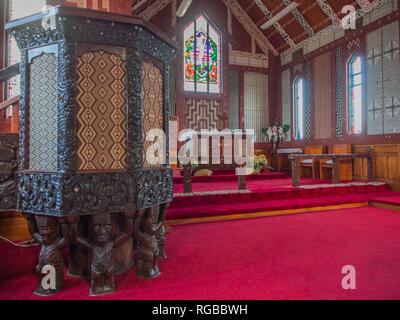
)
(185, 4)
(281, 14)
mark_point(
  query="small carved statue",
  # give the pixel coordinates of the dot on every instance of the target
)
(46, 231)
(160, 235)
(101, 245)
(147, 244)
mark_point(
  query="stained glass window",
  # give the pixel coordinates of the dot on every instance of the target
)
(202, 57)
(355, 95)
(299, 108)
(18, 9)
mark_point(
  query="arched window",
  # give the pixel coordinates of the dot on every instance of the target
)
(299, 108)
(354, 70)
(202, 57)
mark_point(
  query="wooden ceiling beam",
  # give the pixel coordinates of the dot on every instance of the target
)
(291, 20)
(249, 7)
(277, 25)
(300, 19)
(329, 12)
(360, 13)
(249, 25)
(153, 9)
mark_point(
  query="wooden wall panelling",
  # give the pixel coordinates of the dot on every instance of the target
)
(387, 162)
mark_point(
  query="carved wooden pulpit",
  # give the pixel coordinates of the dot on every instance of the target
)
(92, 86)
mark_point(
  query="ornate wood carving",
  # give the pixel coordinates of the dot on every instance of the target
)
(149, 253)
(277, 25)
(8, 166)
(154, 187)
(101, 245)
(250, 26)
(160, 235)
(98, 195)
(53, 235)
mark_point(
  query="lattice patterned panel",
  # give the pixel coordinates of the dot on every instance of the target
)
(256, 103)
(101, 116)
(201, 114)
(374, 77)
(322, 102)
(307, 100)
(286, 102)
(43, 116)
(339, 93)
(391, 76)
(234, 97)
(153, 104)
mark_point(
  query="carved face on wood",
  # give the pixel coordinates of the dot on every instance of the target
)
(100, 229)
(147, 222)
(49, 229)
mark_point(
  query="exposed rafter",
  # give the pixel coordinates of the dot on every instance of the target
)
(327, 9)
(250, 26)
(300, 19)
(366, 5)
(153, 9)
(277, 25)
(328, 30)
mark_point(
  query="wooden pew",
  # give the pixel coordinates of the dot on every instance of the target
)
(312, 164)
(346, 166)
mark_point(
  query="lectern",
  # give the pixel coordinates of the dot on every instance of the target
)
(92, 85)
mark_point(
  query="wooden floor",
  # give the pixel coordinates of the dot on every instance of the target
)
(13, 226)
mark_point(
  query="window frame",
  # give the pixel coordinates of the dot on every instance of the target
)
(349, 87)
(220, 60)
(296, 97)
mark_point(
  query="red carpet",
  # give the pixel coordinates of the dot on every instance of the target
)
(269, 193)
(284, 257)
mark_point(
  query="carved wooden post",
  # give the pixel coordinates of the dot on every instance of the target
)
(187, 178)
(148, 251)
(296, 172)
(242, 182)
(370, 164)
(52, 234)
(336, 171)
(160, 235)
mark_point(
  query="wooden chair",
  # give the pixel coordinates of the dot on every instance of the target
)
(312, 164)
(346, 166)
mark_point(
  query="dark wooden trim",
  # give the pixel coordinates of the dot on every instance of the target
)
(94, 14)
(9, 72)
(10, 102)
(2, 42)
(241, 101)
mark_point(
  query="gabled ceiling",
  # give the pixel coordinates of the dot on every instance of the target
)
(310, 17)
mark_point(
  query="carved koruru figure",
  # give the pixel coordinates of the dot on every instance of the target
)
(46, 231)
(147, 244)
(101, 245)
(160, 235)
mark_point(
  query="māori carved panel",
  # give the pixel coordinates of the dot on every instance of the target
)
(8, 166)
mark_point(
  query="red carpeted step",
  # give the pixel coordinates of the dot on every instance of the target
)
(228, 208)
(233, 177)
(391, 200)
(288, 193)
